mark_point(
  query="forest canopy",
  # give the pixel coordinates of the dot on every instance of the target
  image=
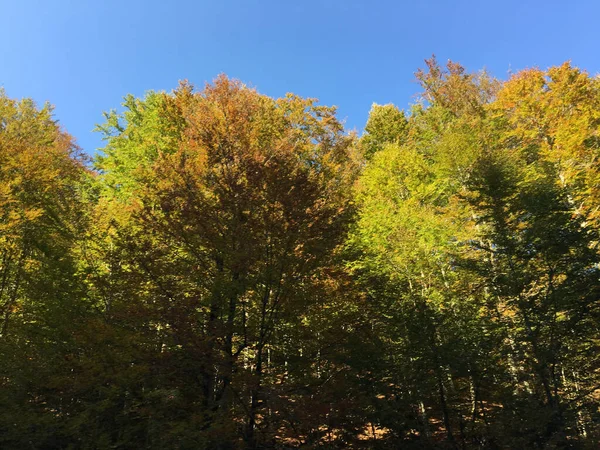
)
(237, 271)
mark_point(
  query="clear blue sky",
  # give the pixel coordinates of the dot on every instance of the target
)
(84, 56)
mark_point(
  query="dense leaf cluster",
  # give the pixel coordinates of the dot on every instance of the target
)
(237, 271)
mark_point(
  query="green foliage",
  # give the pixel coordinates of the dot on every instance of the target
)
(238, 272)
(482, 268)
(386, 125)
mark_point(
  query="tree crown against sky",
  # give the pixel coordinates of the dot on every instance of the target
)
(234, 270)
(348, 53)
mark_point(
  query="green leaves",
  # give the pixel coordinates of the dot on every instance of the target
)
(238, 272)
(386, 125)
(470, 228)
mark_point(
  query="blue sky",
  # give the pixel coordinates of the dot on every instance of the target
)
(84, 56)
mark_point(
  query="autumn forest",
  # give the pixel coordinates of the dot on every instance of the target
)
(234, 271)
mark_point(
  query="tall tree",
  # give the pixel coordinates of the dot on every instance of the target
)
(231, 219)
(40, 220)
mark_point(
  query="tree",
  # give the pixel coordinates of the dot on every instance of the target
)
(238, 272)
(231, 219)
(40, 221)
(386, 125)
(410, 225)
(481, 262)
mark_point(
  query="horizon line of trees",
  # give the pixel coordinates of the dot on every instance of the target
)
(236, 271)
